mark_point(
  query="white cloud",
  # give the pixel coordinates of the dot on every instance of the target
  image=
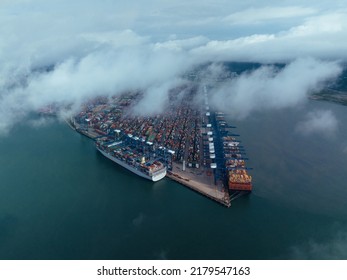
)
(320, 25)
(269, 87)
(41, 122)
(322, 122)
(125, 38)
(104, 71)
(155, 99)
(320, 36)
(183, 44)
(104, 47)
(259, 15)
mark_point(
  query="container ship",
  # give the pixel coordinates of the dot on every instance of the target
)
(238, 178)
(153, 170)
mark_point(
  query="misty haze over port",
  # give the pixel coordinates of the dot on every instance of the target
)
(263, 62)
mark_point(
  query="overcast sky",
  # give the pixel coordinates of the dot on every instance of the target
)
(40, 31)
(107, 46)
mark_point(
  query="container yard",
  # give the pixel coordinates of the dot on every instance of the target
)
(190, 140)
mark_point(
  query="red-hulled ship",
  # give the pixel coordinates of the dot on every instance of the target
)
(239, 180)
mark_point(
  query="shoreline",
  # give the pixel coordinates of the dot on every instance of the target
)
(199, 187)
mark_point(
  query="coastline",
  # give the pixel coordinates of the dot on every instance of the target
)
(214, 193)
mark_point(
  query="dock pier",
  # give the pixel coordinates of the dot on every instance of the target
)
(194, 142)
(206, 191)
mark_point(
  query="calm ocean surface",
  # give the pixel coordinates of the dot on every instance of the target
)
(60, 199)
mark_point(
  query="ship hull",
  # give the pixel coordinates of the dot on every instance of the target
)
(154, 178)
(240, 186)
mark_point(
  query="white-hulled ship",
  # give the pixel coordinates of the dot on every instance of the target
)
(151, 170)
